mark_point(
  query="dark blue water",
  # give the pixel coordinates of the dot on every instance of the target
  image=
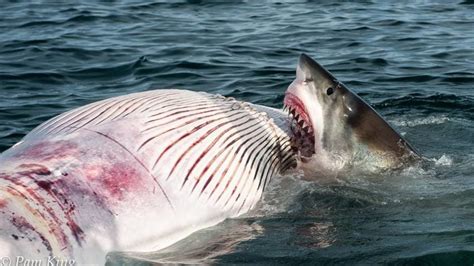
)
(413, 61)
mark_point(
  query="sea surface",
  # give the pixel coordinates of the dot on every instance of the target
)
(412, 60)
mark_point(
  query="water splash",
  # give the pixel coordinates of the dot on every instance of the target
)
(413, 122)
(444, 160)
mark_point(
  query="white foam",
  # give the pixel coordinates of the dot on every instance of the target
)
(444, 160)
(430, 120)
(280, 194)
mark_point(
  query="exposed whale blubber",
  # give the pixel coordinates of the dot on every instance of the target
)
(135, 173)
(142, 171)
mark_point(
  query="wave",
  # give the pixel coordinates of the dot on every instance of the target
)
(436, 101)
(41, 77)
(82, 17)
(444, 160)
(455, 257)
(413, 122)
(467, 2)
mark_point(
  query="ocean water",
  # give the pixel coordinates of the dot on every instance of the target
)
(412, 60)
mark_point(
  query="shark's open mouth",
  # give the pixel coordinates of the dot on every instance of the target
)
(301, 127)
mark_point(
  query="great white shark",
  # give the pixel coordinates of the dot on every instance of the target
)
(142, 171)
(339, 127)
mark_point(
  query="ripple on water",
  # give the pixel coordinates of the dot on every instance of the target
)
(414, 61)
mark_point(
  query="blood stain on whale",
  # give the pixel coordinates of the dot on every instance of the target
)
(49, 150)
(3, 203)
(117, 179)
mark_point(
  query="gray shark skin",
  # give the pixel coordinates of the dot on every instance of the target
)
(346, 130)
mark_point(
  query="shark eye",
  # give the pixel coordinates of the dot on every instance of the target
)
(329, 91)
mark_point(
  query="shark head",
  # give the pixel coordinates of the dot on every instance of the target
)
(334, 126)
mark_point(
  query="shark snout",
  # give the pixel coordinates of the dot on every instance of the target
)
(310, 70)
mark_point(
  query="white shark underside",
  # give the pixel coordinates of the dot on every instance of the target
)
(136, 173)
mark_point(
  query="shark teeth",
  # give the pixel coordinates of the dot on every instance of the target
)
(300, 122)
(302, 141)
(297, 121)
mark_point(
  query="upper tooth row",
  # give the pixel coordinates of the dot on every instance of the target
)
(289, 110)
(305, 127)
(298, 118)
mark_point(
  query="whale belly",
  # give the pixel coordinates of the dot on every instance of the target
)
(135, 173)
